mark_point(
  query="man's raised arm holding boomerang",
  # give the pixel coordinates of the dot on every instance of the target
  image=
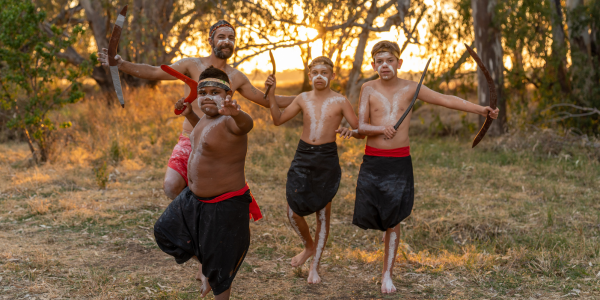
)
(222, 42)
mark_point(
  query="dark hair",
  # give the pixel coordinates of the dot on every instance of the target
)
(220, 23)
(321, 60)
(212, 72)
(386, 46)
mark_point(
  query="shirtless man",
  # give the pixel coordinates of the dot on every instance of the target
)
(222, 42)
(209, 219)
(314, 176)
(385, 187)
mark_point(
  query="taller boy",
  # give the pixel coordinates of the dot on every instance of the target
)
(222, 42)
(314, 176)
(385, 187)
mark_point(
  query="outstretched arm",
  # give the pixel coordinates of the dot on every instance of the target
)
(364, 126)
(240, 122)
(453, 102)
(255, 95)
(277, 115)
(144, 71)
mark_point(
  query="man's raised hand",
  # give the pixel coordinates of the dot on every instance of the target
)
(187, 109)
(493, 112)
(230, 107)
(272, 82)
(103, 57)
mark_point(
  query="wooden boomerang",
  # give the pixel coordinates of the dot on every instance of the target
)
(190, 82)
(274, 68)
(493, 96)
(112, 52)
(412, 103)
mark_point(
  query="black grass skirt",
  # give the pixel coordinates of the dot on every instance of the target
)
(384, 192)
(218, 234)
(314, 177)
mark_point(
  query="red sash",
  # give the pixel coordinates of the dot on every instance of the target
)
(254, 209)
(398, 152)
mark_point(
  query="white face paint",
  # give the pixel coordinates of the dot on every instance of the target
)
(385, 56)
(215, 98)
(319, 77)
(227, 39)
(387, 283)
(316, 126)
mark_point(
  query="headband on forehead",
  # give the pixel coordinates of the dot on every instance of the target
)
(212, 32)
(391, 51)
(214, 82)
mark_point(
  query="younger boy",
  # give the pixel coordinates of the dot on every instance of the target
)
(209, 219)
(385, 187)
(314, 176)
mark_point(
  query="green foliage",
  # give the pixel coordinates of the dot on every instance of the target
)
(533, 82)
(101, 173)
(34, 78)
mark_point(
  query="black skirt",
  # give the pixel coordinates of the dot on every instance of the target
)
(314, 177)
(218, 234)
(384, 192)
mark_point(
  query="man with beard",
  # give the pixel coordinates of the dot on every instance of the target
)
(222, 41)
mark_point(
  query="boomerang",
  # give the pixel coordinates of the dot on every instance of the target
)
(190, 82)
(412, 103)
(274, 68)
(493, 96)
(112, 52)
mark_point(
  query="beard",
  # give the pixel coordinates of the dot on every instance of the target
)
(220, 54)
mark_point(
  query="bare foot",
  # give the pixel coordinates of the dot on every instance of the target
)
(301, 258)
(313, 275)
(205, 288)
(387, 286)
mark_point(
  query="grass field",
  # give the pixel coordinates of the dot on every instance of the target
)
(514, 218)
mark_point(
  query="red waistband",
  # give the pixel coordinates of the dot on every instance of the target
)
(254, 209)
(398, 152)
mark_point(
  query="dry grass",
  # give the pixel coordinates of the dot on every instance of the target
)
(490, 223)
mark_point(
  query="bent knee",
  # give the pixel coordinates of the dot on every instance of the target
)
(173, 187)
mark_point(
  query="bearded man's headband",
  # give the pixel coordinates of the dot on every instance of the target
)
(212, 32)
(215, 83)
(389, 50)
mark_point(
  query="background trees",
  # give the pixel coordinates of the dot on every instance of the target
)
(544, 55)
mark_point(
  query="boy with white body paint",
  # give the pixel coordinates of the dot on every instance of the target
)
(385, 186)
(314, 175)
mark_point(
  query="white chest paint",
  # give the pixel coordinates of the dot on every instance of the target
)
(207, 129)
(390, 108)
(316, 125)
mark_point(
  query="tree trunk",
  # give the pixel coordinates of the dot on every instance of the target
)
(582, 66)
(353, 85)
(559, 47)
(306, 57)
(489, 46)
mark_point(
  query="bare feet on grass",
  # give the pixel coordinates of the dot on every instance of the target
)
(313, 274)
(301, 258)
(205, 287)
(387, 286)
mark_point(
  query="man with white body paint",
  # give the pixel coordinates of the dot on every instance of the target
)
(314, 175)
(209, 221)
(385, 187)
(222, 42)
